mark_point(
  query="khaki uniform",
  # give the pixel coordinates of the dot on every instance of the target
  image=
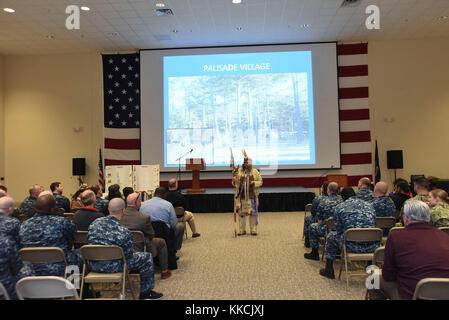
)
(247, 207)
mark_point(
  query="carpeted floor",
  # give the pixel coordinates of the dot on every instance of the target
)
(270, 265)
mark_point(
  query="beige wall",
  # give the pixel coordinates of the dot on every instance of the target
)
(45, 98)
(409, 104)
(2, 123)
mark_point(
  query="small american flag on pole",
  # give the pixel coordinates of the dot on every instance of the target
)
(100, 173)
(121, 84)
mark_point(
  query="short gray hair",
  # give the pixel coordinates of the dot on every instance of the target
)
(333, 187)
(416, 210)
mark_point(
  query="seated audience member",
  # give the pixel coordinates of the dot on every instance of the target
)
(401, 194)
(325, 211)
(133, 219)
(347, 192)
(100, 204)
(353, 213)
(28, 206)
(114, 192)
(12, 268)
(3, 193)
(364, 193)
(160, 209)
(61, 201)
(127, 191)
(76, 203)
(420, 187)
(439, 208)
(383, 205)
(178, 200)
(109, 231)
(313, 211)
(416, 252)
(86, 214)
(47, 230)
(395, 185)
(9, 227)
(2, 187)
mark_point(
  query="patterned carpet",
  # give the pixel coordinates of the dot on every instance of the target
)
(269, 266)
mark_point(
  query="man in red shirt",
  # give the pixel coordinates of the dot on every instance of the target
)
(418, 251)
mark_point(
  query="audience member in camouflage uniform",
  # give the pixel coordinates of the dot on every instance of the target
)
(12, 269)
(312, 218)
(109, 231)
(353, 213)
(439, 208)
(28, 206)
(48, 230)
(364, 193)
(9, 227)
(420, 186)
(61, 201)
(383, 205)
(100, 204)
(325, 211)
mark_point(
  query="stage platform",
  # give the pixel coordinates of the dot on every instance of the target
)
(275, 199)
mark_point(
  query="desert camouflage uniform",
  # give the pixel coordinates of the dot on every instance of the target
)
(12, 268)
(365, 194)
(439, 215)
(312, 218)
(354, 213)
(45, 230)
(109, 231)
(28, 206)
(325, 210)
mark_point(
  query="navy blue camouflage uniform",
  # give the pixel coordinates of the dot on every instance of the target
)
(62, 202)
(28, 206)
(325, 211)
(365, 194)
(312, 218)
(101, 205)
(353, 213)
(44, 230)
(12, 268)
(10, 227)
(109, 231)
(383, 206)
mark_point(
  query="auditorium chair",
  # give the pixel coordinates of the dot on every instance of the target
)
(358, 235)
(48, 287)
(139, 243)
(379, 257)
(80, 239)
(444, 229)
(104, 253)
(44, 255)
(307, 209)
(69, 215)
(432, 289)
(3, 292)
(385, 223)
(330, 225)
(180, 212)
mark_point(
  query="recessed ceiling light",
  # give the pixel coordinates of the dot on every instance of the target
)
(9, 10)
(160, 5)
(51, 37)
(442, 18)
(305, 25)
(236, 1)
(175, 31)
(239, 28)
(85, 8)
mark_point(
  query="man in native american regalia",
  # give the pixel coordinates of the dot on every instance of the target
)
(247, 181)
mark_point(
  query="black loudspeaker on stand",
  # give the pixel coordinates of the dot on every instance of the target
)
(394, 160)
(79, 168)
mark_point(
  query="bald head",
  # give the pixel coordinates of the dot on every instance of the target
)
(380, 189)
(6, 205)
(46, 204)
(46, 192)
(133, 200)
(364, 183)
(35, 190)
(172, 184)
(332, 188)
(116, 207)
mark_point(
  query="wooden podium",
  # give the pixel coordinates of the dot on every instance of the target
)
(196, 165)
(341, 179)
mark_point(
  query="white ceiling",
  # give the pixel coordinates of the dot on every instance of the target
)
(122, 25)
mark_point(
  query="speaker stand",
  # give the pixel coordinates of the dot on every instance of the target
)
(394, 174)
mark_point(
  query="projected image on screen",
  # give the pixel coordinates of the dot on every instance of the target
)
(262, 102)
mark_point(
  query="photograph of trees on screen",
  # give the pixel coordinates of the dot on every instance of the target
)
(245, 111)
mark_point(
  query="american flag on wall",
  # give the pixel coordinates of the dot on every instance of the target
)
(100, 173)
(355, 134)
(121, 85)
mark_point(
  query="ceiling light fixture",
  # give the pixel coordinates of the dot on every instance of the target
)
(236, 1)
(305, 25)
(85, 8)
(51, 37)
(9, 10)
(442, 18)
(175, 31)
(239, 28)
(160, 5)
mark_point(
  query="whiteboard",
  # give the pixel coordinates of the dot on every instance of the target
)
(146, 177)
(121, 175)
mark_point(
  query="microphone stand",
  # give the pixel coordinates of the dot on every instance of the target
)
(179, 166)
